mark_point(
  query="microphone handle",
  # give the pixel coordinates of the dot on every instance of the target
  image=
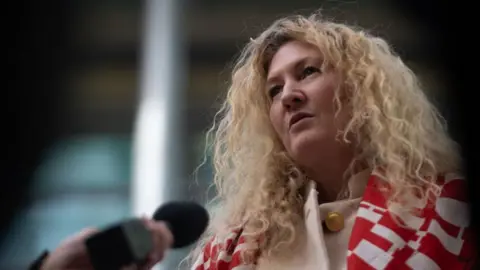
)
(120, 245)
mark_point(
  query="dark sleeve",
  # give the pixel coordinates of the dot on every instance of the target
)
(37, 264)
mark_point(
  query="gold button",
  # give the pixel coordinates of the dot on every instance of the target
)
(334, 221)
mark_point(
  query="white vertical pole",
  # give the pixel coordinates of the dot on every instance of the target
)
(155, 167)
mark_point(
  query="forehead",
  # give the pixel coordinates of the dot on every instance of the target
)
(290, 54)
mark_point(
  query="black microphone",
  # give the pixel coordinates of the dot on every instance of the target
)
(130, 241)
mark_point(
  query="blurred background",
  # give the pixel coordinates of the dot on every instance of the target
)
(83, 74)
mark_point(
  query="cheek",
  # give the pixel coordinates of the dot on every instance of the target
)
(327, 87)
(343, 117)
(276, 119)
(326, 100)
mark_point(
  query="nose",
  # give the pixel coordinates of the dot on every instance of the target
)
(293, 98)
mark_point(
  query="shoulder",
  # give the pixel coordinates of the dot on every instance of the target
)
(451, 206)
(224, 252)
(453, 187)
(446, 235)
(438, 235)
(448, 207)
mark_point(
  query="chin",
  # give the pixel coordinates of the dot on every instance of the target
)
(305, 148)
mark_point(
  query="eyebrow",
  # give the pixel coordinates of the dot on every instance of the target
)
(292, 66)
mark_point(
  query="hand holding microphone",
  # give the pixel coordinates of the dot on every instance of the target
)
(137, 242)
(73, 254)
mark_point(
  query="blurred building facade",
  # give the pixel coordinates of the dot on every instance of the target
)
(84, 179)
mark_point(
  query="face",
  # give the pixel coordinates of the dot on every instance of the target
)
(302, 108)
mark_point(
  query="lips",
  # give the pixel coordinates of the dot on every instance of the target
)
(297, 117)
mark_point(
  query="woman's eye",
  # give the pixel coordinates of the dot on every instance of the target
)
(309, 71)
(274, 90)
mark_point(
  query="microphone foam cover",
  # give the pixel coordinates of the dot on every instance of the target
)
(186, 220)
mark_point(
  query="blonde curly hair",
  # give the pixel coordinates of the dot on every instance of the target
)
(399, 133)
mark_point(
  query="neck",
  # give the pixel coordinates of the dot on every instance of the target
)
(329, 183)
(331, 177)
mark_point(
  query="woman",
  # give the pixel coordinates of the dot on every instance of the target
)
(328, 155)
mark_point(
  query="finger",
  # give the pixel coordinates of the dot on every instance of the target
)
(76, 241)
(86, 232)
(80, 236)
(71, 248)
(147, 266)
(151, 261)
(130, 267)
(162, 240)
(162, 233)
